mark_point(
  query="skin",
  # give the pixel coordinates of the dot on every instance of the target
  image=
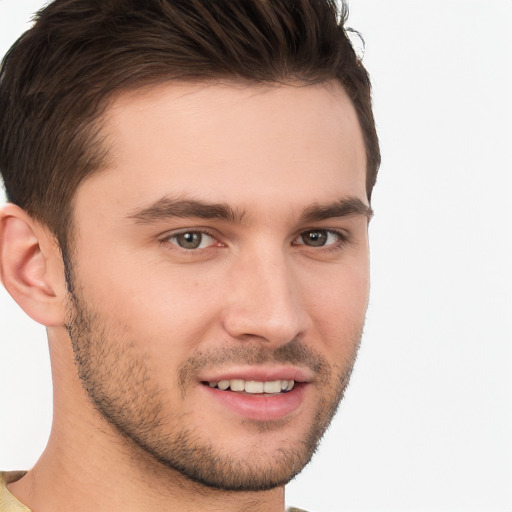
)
(149, 321)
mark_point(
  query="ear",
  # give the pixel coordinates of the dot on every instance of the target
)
(31, 266)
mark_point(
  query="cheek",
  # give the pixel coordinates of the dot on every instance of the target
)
(162, 310)
(337, 303)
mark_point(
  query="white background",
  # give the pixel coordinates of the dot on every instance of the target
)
(427, 421)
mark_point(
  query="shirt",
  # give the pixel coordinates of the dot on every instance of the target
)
(8, 503)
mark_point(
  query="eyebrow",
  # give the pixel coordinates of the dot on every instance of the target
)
(189, 208)
(167, 208)
(344, 208)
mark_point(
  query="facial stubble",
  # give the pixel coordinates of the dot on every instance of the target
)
(119, 383)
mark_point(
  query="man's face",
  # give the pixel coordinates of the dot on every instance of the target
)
(226, 245)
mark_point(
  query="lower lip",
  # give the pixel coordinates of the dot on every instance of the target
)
(260, 407)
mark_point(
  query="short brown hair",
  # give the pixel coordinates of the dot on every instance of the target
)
(56, 80)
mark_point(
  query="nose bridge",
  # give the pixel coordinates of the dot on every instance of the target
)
(266, 301)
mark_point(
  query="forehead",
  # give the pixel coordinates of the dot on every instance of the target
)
(231, 143)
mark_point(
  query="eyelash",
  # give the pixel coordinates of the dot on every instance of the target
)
(342, 239)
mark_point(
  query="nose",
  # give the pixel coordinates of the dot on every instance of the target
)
(264, 301)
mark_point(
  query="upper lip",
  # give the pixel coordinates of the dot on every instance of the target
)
(259, 374)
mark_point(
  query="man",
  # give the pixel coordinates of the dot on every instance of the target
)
(189, 191)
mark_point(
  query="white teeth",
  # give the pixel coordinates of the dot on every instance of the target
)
(223, 384)
(254, 387)
(287, 385)
(272, 387)
(237, 384)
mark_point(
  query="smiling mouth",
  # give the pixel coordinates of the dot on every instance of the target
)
(252, 387)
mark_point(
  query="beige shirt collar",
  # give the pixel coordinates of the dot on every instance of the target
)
(8, 503)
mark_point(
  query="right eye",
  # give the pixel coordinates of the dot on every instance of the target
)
(191, 240)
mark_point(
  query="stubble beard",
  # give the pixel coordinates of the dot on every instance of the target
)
(120, 386)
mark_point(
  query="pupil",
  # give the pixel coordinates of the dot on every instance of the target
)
(316, 238)
(189, 240)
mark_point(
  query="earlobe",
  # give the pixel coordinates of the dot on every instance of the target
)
(28, 262)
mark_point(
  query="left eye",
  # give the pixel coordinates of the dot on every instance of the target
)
(192, 240)
(318, 238)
